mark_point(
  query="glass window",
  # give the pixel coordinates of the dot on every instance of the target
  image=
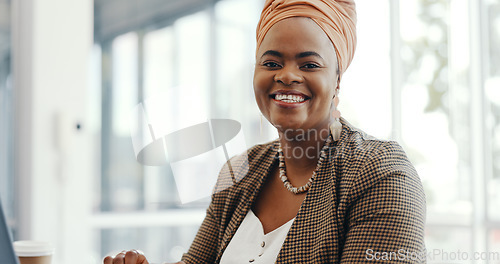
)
(122, 186)
(6, 114)
(492, 89)
(235, 58)
(191, 67)
(366, 102)
(444, 244)
(435, 106)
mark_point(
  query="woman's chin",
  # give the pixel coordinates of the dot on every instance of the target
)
(288, 126)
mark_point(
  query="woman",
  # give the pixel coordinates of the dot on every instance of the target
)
(324, 192)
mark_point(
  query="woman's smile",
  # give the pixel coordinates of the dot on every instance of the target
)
(289, 98)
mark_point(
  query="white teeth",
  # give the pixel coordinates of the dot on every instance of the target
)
(289, 98)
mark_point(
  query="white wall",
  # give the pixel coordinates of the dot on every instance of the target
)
(52, 41)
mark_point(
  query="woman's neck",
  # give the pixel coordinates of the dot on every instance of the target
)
(301, 150)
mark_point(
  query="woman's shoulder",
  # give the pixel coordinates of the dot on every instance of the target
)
(366, 160)
(360, 145)
(376, 176)
(365, 157)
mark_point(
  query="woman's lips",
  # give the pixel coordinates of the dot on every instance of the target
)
(289, 100)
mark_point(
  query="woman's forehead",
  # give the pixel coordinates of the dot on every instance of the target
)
(297, 35)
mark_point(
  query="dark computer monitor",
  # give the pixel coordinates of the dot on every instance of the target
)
(7, 255)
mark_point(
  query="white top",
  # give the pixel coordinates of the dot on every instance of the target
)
(250, 245)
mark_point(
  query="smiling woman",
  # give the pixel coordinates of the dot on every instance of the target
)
(324, 191)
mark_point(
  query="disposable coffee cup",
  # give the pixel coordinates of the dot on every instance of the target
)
(34, 252)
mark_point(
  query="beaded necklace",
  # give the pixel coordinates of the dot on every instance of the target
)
(282, 169)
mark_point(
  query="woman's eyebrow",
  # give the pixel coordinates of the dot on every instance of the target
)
(307, 54)
(272, 53)
(298, 56)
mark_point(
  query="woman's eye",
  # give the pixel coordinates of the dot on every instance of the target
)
(271, 64)
(310, 66)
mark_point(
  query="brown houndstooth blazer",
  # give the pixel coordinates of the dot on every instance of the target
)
(366, 205)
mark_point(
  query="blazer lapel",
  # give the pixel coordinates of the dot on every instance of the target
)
(314, 229)
(247, 191)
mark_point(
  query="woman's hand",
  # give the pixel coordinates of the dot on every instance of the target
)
(129, 257)
(126, 257)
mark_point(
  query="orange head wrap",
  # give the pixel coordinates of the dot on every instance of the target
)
(337, 18)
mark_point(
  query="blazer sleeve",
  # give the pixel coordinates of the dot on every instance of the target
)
(204, 247)
(386, 217)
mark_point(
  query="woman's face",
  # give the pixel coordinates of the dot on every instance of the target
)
(296, 75)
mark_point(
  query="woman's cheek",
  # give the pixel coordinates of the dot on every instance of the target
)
(261, 86)
(260, 92)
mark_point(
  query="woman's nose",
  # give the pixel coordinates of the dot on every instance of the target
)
(288, 76)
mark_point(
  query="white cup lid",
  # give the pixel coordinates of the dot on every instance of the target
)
(29, 248)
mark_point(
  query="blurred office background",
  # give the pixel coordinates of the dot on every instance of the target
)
(426, 73)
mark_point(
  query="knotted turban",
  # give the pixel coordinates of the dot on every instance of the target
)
(337, 18)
